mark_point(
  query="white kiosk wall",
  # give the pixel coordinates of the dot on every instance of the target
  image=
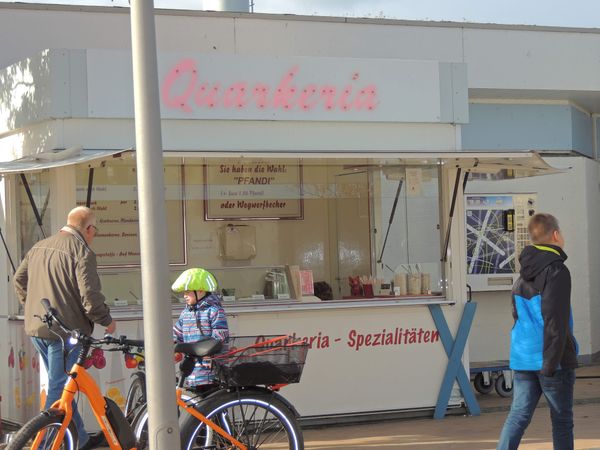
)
(573, 197)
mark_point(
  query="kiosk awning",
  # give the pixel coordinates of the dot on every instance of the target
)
(499, 165)
(503, 165)
(57, 158)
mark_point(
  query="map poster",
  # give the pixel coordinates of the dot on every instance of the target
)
(249, 189)
(490, 248)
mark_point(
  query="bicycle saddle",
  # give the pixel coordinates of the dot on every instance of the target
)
(206, 347)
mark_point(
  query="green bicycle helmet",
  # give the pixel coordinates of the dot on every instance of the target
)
(195, 279)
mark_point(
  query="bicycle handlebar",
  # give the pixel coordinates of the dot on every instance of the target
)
(122, 340)
(52, 314)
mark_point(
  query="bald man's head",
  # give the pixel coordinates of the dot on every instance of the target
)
(81, 218)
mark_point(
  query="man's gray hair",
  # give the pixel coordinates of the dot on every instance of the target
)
(81, 217)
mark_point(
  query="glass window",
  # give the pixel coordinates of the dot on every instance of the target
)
(117, 245)
(407, 208)
(341, 225)
(29, 230)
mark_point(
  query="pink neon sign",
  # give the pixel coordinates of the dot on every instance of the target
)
(184, 89)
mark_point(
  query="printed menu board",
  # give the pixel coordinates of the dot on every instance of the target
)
(114, 200)
(248, 189)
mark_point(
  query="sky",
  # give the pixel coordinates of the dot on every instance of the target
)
(569, 13)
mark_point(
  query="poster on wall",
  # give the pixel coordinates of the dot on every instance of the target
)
(114, 200)
(490, 244)
(248, 190)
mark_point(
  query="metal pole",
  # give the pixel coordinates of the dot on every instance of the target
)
(88, 202)
(163, 429)
(392, 214)
(451, 215)
(38, 218)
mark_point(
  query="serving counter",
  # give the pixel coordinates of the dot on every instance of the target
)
(366, 356)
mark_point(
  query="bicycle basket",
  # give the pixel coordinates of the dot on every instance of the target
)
(260, 360)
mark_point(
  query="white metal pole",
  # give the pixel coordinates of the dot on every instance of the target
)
(163, 429)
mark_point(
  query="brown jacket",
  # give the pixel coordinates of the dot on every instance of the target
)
(61, 268)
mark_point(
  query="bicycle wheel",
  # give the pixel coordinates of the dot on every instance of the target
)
(136, 395)
(139, 424)
(49, 421)
(257, 419)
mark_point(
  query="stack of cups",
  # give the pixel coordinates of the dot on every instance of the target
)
(414, 283)
(425, 283)
(400, 284)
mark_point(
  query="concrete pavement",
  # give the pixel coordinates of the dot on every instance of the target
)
(464, 433)
(469, 433)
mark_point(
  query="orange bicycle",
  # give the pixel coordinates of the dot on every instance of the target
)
(235, 417)
(244, 404)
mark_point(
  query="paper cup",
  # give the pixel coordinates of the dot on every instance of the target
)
(400, 283)
(425, 283)
(414, 284)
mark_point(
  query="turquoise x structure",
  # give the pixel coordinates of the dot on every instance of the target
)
(454, 349)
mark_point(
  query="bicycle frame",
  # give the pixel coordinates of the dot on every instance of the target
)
(81, 381)
(209, 423)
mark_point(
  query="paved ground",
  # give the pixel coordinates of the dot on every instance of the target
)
(465, 433)
(469, 433)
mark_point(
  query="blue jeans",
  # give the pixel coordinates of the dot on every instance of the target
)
(527, 390)
(52, 355)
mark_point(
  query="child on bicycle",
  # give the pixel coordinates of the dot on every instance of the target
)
(202, 316)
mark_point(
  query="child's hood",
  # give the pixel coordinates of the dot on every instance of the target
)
(211, 299)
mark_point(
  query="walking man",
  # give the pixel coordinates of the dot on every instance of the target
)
(62, 268)
(543, 350)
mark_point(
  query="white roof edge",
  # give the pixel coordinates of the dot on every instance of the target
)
(303, 17)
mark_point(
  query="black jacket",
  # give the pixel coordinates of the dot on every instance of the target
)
(542, 337)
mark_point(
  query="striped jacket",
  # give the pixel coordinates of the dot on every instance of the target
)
(205, 318)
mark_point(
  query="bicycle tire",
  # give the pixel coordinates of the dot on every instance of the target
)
(255, 418)
(139, 425)
(136, 395)
(46, 419)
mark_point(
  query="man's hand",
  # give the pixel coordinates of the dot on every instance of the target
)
(111, 328)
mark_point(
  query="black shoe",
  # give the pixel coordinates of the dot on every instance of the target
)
(96, 440)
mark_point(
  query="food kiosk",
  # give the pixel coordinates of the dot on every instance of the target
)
(323, 193)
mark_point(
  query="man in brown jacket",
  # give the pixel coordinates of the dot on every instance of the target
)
(62, 268)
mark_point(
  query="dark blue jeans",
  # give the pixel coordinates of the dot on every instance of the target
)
(527, 390)
(51, 353)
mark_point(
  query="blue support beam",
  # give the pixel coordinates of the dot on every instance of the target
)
(454, 349)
